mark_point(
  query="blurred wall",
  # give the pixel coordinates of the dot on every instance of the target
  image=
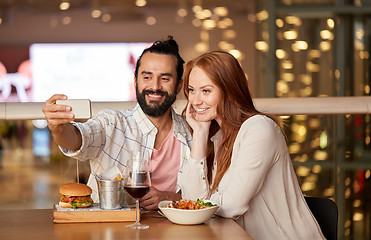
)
(24, 28)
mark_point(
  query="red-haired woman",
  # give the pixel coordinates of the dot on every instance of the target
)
(239, 157)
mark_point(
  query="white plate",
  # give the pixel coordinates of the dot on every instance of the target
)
(187, 217)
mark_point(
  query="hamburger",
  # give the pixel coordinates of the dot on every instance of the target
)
(75, 195)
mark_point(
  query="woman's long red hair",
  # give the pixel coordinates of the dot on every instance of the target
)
(235, 107)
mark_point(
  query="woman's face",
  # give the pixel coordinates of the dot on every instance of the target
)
(204, 96)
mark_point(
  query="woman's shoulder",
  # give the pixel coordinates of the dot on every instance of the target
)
(259, 119)
(260, 124)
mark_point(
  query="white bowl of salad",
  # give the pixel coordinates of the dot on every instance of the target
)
(188, 212)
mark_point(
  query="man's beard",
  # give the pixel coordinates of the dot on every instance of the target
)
(155, 110)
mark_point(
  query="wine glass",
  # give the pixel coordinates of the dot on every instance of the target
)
(137, 184)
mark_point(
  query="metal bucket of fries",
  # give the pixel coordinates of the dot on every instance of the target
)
(111, 194)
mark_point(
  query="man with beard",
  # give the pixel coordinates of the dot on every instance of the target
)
(152, 127)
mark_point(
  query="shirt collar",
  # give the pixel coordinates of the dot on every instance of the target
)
(144, 124)
(217, 136)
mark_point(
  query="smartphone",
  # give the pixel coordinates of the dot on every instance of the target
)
(80, 107)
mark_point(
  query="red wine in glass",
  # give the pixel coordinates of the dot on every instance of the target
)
(137, 184)
(137, 191)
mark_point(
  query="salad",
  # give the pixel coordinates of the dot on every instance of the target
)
(190, 204)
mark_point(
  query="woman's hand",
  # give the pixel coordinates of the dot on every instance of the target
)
(197, 126)
(200, 133)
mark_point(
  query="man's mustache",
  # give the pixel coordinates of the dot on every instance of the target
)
(155, 92)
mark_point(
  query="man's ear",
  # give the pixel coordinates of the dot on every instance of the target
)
(180, 85)
(135, 82)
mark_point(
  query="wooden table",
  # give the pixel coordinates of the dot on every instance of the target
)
(38, 224)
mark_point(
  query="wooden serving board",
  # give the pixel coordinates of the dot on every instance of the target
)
(92, 214)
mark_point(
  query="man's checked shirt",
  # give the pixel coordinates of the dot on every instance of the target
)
(113, 137)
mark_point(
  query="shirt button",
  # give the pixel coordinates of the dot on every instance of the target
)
(203, 178)
(202, 163)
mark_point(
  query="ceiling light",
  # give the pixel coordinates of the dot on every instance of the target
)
(306, 79)
(226, 46)
(222, 25)
(360, 33)
(179, 19)
(204, 35)
(106, 17)
(305, 92)
(287, 64)
(293, 20)
(290, 35)
(151, 20)
(330, 23)
(201, 15)
(223, 45)
(140, 3)
(324, 46)
(201, 47)
(96, 13)
(282, 87)
(207, 13)
(279, 22)
(196, 22)
(64, 5)
(221, 11)
(295, 47)
(358, 216)
(236, 53)
(312, 67)
(302, 45)
(280, 53)
(314, 53)
(229, 34)
(209, 24)
(53, 23)
(262, 16)
(326, 34)
(288, 77)
(182, 12)
(228, 22)
(261, 46)
(196, 8)
(66, 20)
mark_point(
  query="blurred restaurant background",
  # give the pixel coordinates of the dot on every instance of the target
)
(288, 48)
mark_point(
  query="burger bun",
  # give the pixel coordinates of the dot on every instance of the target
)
(68, 205)
(75, 189)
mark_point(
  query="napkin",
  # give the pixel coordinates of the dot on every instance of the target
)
(110, 173)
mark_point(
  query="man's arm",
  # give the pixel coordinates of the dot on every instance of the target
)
(151, 200)
(59, 118)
